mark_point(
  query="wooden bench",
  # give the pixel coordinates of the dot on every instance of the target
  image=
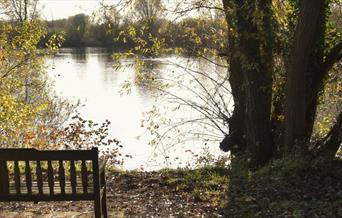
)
(66, 175)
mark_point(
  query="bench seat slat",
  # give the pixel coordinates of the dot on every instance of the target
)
(4, 179)
(56, 197)
(17, 177)
(61, 173)
(50, 178)
(84, 176)
(32, 154)
(46, 189)
(73, 176)
(28, 176)
(39, 177)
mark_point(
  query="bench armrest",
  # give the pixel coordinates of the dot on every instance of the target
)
(102, 166)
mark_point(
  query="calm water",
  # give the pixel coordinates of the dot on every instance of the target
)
(88, 75)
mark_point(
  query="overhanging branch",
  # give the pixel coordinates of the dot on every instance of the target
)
(334, 56)
(333, 139)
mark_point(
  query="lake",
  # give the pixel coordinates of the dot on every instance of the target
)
(88, 75)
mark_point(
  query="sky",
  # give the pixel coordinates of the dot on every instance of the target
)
(57, 9)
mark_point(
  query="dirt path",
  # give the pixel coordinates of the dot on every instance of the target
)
(138, 194)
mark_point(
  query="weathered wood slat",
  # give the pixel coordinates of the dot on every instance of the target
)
(50, 177)
(73, 176)
(37, 198)
(4, 180)
(84, 176)
(28, 177)
(32, 154)
(39, 178)
(17, 176)
(97, 189)
(61, 174)
(46, 189)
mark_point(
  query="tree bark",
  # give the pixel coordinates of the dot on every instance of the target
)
(296, 84)
(256, 57)
(235, 140)
(251, 67)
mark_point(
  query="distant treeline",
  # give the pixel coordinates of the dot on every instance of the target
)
(80, 30)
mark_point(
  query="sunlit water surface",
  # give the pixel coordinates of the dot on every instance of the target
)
(88, 75)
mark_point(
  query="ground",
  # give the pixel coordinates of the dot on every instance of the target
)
(168, 193)
(293, 187)
(297, 187)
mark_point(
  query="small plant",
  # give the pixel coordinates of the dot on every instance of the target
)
(205, 158)
(79, 134)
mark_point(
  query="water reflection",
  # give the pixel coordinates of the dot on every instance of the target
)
(79, 55)
(88, 74)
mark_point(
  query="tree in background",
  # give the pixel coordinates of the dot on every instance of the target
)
(78, 29)
(20, 10)
(147, 9)
(106, 24)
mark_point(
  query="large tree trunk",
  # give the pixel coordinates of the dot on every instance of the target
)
(296, 126)
(256, 57)
(251, 66)
(235, 140)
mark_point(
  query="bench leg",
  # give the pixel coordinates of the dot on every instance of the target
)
(98, 207)
(104, 203)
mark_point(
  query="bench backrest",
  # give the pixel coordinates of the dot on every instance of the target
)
(25, 167)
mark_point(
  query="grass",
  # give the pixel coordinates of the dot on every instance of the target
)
(293, 187)
(205, 184)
